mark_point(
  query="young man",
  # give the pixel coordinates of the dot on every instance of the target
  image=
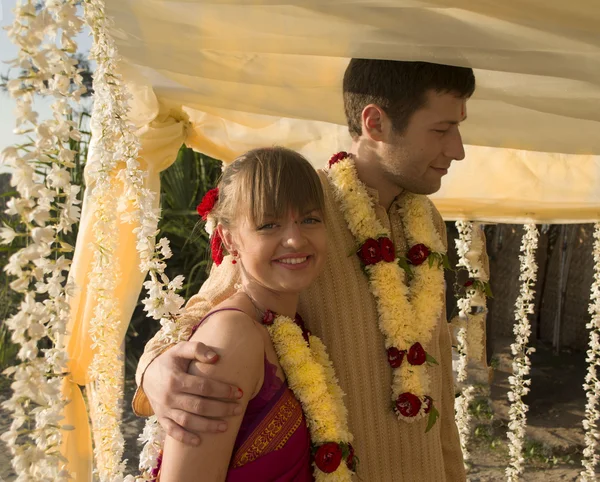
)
(404, 120)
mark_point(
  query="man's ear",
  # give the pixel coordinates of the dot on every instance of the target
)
(374, 121)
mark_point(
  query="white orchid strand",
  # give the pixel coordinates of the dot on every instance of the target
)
(592, 383)
(519, 381)
(462, 402)
(47, 208)
(137, 206)
(106, 152)
(463, 246)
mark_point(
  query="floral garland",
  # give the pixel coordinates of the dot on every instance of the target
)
(519, 384)
(105, 155)
(469, 325)
(463, 246)
(47, 208)
(136, 206)
(462, 402)
(407, 325)
(311, 376)
(592, 383)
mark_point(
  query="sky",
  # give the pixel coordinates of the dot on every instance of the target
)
(8, 51)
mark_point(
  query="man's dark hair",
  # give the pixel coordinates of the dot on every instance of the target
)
(399, 88)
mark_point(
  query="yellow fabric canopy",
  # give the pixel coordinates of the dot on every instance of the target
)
(225, 76)
(252, 73)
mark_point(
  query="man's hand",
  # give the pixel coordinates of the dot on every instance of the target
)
(188, 405)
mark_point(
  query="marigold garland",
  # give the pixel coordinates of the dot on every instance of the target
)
(407, 314)
(310, 375)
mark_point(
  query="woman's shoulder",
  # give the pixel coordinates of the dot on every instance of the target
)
(229, 326)
(237, 340)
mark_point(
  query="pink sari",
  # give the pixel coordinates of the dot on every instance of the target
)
(273, 445)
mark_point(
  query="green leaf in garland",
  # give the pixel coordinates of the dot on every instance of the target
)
(431, 259)
(446, 262)
(403, 263)
(433, 416)
(345, 450)
(430, 359)
(488, 290)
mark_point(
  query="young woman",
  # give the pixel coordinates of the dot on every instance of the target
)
(269, 218)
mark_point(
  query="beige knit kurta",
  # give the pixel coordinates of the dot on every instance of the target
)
(339, 308)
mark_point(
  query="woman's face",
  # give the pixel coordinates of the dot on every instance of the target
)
(283, 255)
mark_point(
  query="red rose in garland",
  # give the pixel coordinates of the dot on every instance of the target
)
(337, 158)
(416, 354)
(305, 333)
(418, 254)
(328, 457)
(268, 318)
(469, 283)
(395, 356)
(369, 253)
(428, 404)
(408, 404)
(388, 253)
(208, 203)
(350, 461)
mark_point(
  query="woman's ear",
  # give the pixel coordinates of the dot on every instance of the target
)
(227, 238)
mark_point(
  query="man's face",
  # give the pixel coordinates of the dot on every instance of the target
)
(417, 159)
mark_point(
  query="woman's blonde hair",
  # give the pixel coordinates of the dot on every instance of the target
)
(266, 184)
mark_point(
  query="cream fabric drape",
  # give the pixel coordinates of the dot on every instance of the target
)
(259, 72)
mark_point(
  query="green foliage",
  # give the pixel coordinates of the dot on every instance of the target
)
(183, 186)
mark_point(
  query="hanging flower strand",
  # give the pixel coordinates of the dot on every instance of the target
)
(462, 402)
(519, 383)
(106, 152)
(47, 209)
(138, 205)
(592, 383)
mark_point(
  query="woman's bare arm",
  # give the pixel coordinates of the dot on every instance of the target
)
(240, 345)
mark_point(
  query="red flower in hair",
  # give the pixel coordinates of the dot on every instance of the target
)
(408, 405)
(216, 248)
(338, 157)
(388, 253)
(208, 203)
(328, 457)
